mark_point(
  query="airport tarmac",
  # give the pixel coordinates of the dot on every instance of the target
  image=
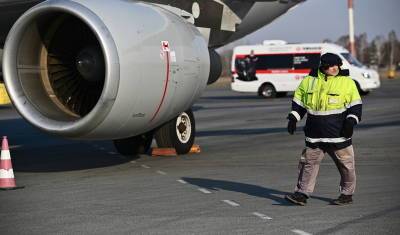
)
(236, 185)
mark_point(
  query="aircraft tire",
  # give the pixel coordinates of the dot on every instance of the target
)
(178, 133)
(135, 145)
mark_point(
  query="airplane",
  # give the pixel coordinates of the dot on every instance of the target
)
(121, 70)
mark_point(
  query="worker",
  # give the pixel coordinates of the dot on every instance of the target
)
(333, 106)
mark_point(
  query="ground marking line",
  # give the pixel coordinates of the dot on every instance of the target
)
(232, 203)
(182, 181)
(133, 162)
(145, 166)
(203, 190)
(161, 172)
(300, 232)
(262, 216)
(14, 146)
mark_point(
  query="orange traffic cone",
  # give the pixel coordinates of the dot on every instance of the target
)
(7, 181)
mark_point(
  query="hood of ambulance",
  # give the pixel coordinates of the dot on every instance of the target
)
(357, 73)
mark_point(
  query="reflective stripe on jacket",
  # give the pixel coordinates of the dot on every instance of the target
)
(328, 101)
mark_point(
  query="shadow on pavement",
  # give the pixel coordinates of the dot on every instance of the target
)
(63, 158)
(252, 190)
(35, 151)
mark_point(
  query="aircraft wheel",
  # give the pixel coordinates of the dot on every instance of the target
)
(178, 133)
(135, 145)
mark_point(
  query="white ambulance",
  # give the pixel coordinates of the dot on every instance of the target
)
(281, 66)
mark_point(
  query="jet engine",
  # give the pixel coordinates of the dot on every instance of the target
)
(88, 69)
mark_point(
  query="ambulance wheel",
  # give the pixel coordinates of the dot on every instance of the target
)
(135, 145)
(178, 133)
(267, 91)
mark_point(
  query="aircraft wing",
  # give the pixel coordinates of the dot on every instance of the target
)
(218, 20)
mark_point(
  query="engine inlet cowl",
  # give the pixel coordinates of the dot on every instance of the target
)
(58, 58)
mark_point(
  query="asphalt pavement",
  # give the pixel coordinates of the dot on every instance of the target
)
(236, 185)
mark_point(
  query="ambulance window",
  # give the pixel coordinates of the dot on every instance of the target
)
(306, 61)
(275, 62)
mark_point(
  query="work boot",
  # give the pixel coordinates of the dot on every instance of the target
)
(343, 200)
(297, 198)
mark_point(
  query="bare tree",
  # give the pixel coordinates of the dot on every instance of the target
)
(392, 42)
(376, 49)
(362, 48)
(343, 41)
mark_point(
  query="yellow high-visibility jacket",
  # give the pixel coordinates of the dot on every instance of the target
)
(328, 101)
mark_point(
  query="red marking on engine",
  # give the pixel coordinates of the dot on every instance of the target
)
(165, 88)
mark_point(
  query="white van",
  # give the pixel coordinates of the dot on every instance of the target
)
(280, 67)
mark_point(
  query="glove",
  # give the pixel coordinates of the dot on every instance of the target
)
(291, 127)
(348, 126)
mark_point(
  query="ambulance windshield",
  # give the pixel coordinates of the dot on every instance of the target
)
(352, 60)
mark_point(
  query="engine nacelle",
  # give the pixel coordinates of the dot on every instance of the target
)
(100, 70)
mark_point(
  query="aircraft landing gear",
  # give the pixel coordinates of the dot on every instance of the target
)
(178, 133)
(135, 145)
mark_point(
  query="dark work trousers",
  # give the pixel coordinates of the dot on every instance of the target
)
(309, 165)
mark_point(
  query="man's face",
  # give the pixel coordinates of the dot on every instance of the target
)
(332, 70)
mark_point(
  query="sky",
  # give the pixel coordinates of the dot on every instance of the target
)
(316, 20)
